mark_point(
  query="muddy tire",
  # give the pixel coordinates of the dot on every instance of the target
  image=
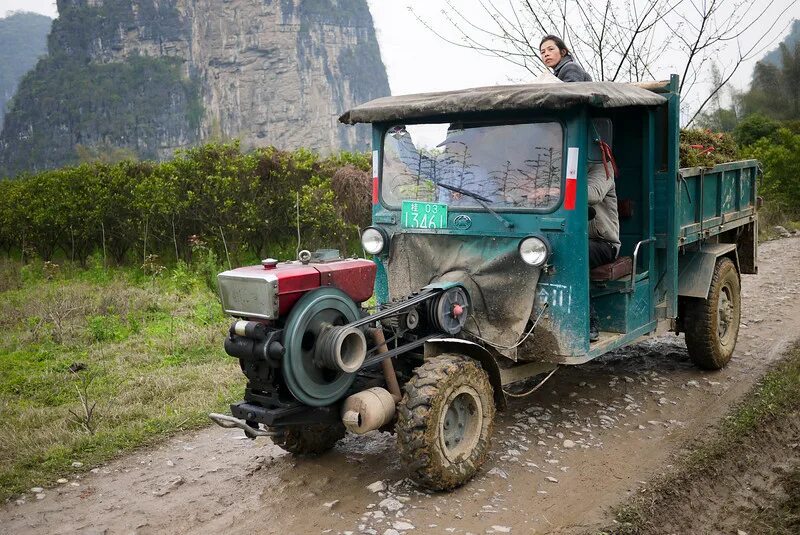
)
(445, 421)
(310, 440)
(712, 324)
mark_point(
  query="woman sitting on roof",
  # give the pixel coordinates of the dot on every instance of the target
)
(556, 55)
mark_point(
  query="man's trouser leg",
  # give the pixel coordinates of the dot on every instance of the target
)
(600, 253)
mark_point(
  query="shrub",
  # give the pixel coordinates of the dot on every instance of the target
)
(108, 328)
(780, 157)
(144, 213)
(753, 128)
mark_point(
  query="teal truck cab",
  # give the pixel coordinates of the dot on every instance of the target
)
(480, 269)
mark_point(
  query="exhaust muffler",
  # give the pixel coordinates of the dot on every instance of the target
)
(368, 410)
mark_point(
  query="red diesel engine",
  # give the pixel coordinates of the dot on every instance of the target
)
(270, 291)
(292, 335)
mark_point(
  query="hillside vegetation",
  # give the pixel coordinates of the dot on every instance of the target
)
(765, 122)
(149, 77)
(23, 40)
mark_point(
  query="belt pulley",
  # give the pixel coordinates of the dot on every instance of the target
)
(323, 317)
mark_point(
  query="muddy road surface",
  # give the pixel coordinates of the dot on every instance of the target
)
(560, 458)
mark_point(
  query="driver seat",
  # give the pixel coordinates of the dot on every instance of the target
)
(612, 271)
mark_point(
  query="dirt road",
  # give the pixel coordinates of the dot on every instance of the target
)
(560, 458)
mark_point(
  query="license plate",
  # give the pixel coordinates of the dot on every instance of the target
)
(416, 214)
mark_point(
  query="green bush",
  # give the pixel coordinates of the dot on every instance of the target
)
(239, 206)
(183, 278)
(207, 267)
(107, 328)
(780, 158)
(753, 128)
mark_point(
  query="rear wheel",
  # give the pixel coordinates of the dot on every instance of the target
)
(712, 324)
(445, 421)
(310, 440)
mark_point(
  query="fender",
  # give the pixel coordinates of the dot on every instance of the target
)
(696, 268)
(437, 346)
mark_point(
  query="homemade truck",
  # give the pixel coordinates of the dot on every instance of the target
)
(480, 269)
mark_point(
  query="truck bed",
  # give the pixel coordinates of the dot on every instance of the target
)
(714, 200)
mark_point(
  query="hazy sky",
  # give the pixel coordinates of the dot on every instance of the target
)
(417, 60)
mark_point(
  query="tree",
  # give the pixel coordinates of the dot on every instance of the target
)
(780, 156)
(719, 118)
(10, 235)
(622, 41)
(775, 91)
(753, 128)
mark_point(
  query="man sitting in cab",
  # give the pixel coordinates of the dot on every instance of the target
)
(604, 241)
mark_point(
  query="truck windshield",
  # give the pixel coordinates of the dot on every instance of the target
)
(503, 166)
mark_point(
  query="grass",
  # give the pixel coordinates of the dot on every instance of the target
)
(776, 397)
(144, 352)
(769, 217)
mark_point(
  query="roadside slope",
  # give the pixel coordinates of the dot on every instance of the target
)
(745, 478)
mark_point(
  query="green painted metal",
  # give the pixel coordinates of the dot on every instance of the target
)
(308, 382)
(672, 160)
(664, 206)
(713, 198)
(621, 340)
(624, 312)
(381, 218)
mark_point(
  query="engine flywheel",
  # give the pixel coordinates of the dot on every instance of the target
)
(308, 380)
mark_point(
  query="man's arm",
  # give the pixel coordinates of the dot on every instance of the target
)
(599, 183)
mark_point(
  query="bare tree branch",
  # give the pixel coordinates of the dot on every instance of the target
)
(630, 39)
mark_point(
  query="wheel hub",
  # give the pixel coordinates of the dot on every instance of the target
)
(725, 313)
(460, 428)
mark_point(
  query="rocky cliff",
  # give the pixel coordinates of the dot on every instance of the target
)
(156, 75)
(23, 39)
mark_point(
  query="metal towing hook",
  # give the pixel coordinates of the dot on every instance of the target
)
(227, 421)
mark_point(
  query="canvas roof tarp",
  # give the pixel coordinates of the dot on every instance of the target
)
(529, 97)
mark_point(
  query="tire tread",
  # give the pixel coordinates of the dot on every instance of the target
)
(701, 332)
(415, 437)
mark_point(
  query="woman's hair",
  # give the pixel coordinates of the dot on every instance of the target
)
(558, 41)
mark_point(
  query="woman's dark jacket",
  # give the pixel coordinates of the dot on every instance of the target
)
(568, 70)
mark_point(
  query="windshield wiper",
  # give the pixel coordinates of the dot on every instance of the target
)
(481, 200)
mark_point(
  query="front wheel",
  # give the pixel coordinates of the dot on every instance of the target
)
(712, 324)
(445, 421)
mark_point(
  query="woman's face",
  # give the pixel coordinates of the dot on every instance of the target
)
(551, 55)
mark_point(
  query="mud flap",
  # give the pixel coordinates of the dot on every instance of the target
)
(696, 268)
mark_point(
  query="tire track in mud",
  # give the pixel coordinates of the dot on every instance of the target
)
(592, 436)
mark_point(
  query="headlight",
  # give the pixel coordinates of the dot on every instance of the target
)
(534, 251)
(373, 240)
